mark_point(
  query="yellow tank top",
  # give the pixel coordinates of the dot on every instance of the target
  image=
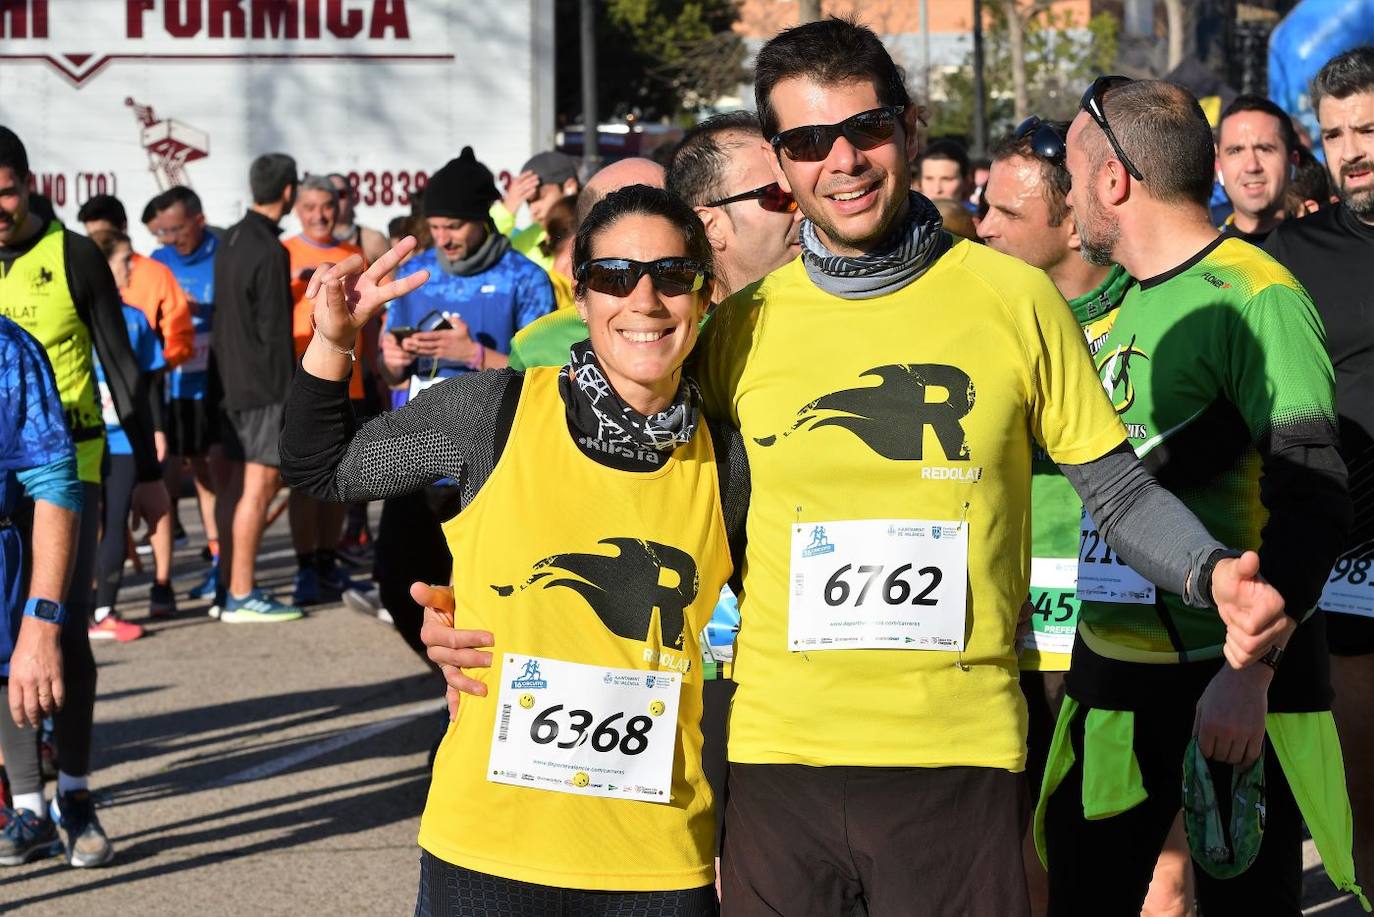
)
(563, 558)
(35, 296)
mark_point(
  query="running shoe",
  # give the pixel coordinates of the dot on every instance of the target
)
(257, 607)
(334, 583)
(307, 589)
(218, 602)
(26, 837)
(366, 602)
(162, 601)
(113, 627)
(207, 586)
(355, 549)
(87, 844)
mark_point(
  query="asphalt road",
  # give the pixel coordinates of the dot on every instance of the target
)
(268, 769)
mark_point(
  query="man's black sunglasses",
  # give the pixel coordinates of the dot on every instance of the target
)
(866, 130)
(1092, 104)
(771, 197)
(1045, 141)
(619, 276)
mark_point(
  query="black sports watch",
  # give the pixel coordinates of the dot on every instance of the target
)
(1209, 566)
(1273, 657)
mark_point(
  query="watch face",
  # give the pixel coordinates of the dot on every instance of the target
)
(45, 609)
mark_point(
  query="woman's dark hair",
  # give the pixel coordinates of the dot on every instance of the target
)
(108, 241)
(827, 51)
(647, 201)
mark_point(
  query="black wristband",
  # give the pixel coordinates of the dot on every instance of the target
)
(1273, 657)
(1209, 566)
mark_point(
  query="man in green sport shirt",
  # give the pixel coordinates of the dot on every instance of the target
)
(1217, 365)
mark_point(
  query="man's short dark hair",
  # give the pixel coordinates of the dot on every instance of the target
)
(950, 150)
(13, 156)
(1161, 127)
(179, 194)
(1260, 104)
(270, 175)
(151, 209)
(697, 169)
(1343, 76)
(1054, 178)
(105, 207)
(828, 52)
(1310, 182)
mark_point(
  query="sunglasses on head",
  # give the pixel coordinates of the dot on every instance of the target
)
(619, 276)
(1092, 104)
(864, 131)
(770, 197)
(1045, 142)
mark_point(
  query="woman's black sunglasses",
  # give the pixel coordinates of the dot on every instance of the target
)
(770, 197)
(865, 131)
(1092, 104)
(1045, 141)
(619, 276)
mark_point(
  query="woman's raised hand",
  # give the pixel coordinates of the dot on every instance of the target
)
(346, 297)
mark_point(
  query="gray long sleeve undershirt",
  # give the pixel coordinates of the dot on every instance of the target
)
(1144, 523)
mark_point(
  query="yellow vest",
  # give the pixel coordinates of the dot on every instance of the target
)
(35, 296)
(917, 405)
(547, 507)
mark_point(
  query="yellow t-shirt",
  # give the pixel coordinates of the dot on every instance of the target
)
(563, 558)
(923, 405)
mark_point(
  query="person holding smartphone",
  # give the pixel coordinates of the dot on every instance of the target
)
(480, 292)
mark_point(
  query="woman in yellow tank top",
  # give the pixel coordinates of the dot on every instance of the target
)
(598, 516)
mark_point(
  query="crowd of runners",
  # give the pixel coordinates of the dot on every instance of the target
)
(812, 522)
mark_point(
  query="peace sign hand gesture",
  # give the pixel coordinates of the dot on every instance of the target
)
(346, 297)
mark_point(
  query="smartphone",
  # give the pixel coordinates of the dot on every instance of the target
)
(434, 321)
(400, 334)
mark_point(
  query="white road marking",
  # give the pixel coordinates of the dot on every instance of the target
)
(342, 740)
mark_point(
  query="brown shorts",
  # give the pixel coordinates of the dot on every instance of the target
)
(802, 841)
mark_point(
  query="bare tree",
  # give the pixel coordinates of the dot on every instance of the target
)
(1019, 16)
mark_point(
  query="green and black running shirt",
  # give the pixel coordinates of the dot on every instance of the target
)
(1056, 509)
(1220, 374)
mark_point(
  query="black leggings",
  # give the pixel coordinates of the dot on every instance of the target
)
(109, 562)
(72, 725)
(410, 549)
(452, 891)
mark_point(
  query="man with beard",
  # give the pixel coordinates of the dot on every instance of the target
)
(1217, 367)
(1332, 253)
(1256, 154)
(890, 384)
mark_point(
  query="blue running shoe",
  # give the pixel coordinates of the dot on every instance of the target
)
(307, 591)
(334, 582)
(207, 586)
(87, 844)
(257, 607)
(26, 837)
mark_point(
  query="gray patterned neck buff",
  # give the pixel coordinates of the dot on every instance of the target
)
(599, 413)
(891, 265)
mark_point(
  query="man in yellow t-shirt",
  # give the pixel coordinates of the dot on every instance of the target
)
(890, 385)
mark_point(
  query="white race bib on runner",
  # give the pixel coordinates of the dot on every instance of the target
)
(108, 412)
(585, 729)
(199, 360)
(878, 584)
(1350, 589)
(1105, 577)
